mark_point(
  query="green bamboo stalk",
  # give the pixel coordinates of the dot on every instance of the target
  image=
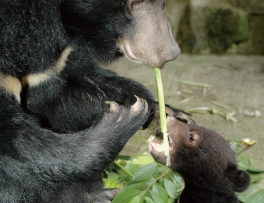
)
(163, 119)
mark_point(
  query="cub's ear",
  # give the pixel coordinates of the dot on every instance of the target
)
(241, 182)
(240, 179)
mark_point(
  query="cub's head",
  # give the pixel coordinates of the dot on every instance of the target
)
(201, 156)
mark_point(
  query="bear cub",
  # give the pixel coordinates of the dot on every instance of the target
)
(205, 161)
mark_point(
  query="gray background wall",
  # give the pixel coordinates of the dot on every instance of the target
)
(218, 26)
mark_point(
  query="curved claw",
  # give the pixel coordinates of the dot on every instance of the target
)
(169, 111)
(184, 117)
(138, 105)
(113, 106)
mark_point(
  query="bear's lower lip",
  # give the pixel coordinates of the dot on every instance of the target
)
(129, 51)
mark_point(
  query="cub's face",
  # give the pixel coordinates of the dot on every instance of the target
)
(194, 149)
(202, 157)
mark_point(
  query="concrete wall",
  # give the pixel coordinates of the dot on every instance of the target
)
(218, 26)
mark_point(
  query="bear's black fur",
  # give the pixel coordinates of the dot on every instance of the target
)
(55, 135)
(205, 161)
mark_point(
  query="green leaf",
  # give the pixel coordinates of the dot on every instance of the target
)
(124, 157)
(143, 159)
(137, 199)
(242, 196)
(255, 170)
(171, 188)
(255, 177)
(156, 197)
(145, 172)
(112, 175)
(161, 191)
(121, 170)
(234, 147)
(111, 183)
(138, 186)
(171, 200)
(250, 168)
(149, 200)
(247, 164)
(176, 178)
(257, 197)
(132, 168)
(126, 195)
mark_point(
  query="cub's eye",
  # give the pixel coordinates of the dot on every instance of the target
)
(191, 138)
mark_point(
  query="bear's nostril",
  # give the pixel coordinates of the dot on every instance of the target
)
(171, 54)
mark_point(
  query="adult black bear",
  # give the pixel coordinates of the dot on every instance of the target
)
(50, 84)
(205, 161)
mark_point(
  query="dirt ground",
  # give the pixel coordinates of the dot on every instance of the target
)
(236, 82)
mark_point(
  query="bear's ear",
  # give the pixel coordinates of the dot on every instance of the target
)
(240, 179)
